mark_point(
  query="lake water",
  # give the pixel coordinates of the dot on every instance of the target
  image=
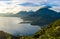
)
(11, 25)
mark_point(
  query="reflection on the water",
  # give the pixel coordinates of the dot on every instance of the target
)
(12, 26)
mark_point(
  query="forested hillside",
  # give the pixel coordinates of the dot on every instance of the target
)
(50, 32)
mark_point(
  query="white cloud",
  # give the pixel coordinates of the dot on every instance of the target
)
(55, 8)
(13, 7)
(4, 0)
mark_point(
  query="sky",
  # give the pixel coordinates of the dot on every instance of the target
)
(14, 6)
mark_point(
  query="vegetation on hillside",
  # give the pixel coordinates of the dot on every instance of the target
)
(50, 32)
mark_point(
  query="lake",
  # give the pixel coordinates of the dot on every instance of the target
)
(11, 25)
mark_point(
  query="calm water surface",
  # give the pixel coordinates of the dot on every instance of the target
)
(11, 25)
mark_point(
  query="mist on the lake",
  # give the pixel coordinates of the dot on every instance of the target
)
(11, 25)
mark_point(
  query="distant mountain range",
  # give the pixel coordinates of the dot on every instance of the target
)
(24, 13)
(6, 15)
(41, 17)
(45, 16)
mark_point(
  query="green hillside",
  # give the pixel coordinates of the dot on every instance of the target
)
(4, 35)
(50, 32)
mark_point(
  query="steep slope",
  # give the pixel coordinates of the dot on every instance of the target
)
(50, 32)
(43, 16)
(5, 35)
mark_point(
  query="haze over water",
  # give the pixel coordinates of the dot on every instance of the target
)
(11, 25)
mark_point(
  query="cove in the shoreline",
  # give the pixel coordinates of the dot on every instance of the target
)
(11, 25)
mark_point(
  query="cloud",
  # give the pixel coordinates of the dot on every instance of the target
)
(40, 2)
(5, 0)
(5, 7)
(29, 4)
(56, 8)
(34, 2)
(53, 2)
(15, 6)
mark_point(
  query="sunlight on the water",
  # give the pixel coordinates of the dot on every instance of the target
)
(12, 26)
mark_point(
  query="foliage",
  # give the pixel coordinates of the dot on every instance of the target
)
(50, 32)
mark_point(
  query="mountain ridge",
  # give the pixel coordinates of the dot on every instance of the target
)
(42, 16)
